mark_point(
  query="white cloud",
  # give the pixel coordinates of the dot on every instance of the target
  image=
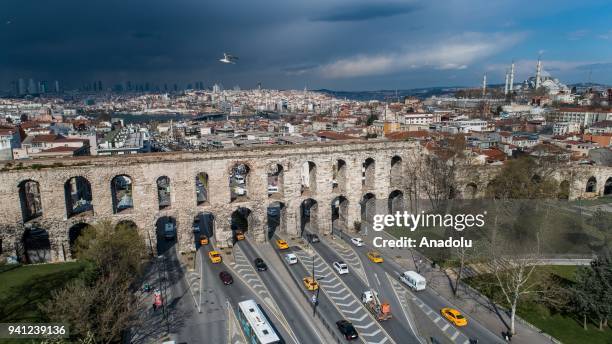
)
(606, 35)
(450, 54)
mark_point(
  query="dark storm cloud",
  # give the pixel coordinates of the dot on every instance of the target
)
(359, 12)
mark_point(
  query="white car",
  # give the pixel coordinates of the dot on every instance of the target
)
(357, 241)
(341, 267)
(291, 258)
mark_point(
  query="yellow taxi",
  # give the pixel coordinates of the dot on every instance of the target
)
(215, 257)
(282, 244)
(454, 316)
(375, 257)
(239, 235)
(310, 283)
(203, 240)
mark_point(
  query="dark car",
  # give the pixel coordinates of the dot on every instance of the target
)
(347, 329)
(260, 264)
(226, 278)
(313, 238)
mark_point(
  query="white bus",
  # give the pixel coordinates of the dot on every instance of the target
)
(254, 324)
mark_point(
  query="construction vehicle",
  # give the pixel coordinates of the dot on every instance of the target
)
(380, 310)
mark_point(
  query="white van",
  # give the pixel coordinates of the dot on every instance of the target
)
(413, 280)
(291, 258)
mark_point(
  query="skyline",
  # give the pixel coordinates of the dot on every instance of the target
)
(402, 44)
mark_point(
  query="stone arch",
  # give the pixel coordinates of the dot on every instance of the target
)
(242, 220)
(309, 215)
(608, 187)
(36, 245)
(339, 176)
(471, 190)
(74, 232)
(396, 171)
(591, 185)
(29, 196)
(276, 180)
(368, 171)
(339, 213)
(121, 192)
(239, 181)
(201, 186)
(276, 218)
(309, 178)
(165, 233)
(164, 200)
(128, 224)
(368, 210)
(203, 225)
(78, 196)
(564, 190)
(395, 202)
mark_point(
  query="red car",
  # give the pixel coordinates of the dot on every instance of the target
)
(226, 278)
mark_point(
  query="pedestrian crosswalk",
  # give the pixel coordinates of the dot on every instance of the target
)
(345, 301)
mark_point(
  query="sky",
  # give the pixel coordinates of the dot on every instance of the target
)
(334, 44)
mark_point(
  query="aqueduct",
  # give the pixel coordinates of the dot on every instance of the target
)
(46, 204)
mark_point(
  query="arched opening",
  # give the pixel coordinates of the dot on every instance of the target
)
(241, 221)
(29, 196)
(471, 190)
(564, 190)
(339, 213)
(36, 246)
(276, 213)
(121, 191)
(77, 193)
(339, 176)
(591, 185)
(368, 210)
(396, 171)
(309, 178)
(165, 230)
(608, 187)
(395, 203)
(163, 192)
(308, 216)
(126, 224)
(201, 184)
(275, 180)
(203, 226)
(238, 182)
(368, 178)
(73, 234)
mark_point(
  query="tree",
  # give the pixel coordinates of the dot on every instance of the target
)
(584, 294)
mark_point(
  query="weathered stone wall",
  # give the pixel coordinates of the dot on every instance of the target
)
(181, 168)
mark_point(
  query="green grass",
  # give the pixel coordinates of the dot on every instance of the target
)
(23, 288)
(564, 327)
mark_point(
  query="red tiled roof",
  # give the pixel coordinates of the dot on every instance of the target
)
(333, 135)
(402, 135)
(61, 149)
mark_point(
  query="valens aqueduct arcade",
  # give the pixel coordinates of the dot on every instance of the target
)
(46, 203)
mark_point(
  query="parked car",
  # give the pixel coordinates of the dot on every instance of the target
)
(239, 235)
(313, 238)
(347, 329)
(357, 242)
(239, 179)
(273, 211)
(341, 268)
(203, 240)
(272, 189)
(454, 316)
(310, 283)
(260, 264)
(226, 278)
(291, 258)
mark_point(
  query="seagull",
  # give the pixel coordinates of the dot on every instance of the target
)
(227, 58)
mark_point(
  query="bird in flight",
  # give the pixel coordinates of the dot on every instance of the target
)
(227, 58)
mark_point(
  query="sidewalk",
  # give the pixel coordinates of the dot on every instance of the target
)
(475, 304)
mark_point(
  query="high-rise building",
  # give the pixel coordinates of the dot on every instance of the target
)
(57, 87)
(32, 89)
(22, 89)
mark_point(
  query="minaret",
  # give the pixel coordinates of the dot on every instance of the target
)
(506, 84)
(484, 85)
(511, 85)
(538, 74)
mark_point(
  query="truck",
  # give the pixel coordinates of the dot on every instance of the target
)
(413, 280)
(169, 231)
(380, 310)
